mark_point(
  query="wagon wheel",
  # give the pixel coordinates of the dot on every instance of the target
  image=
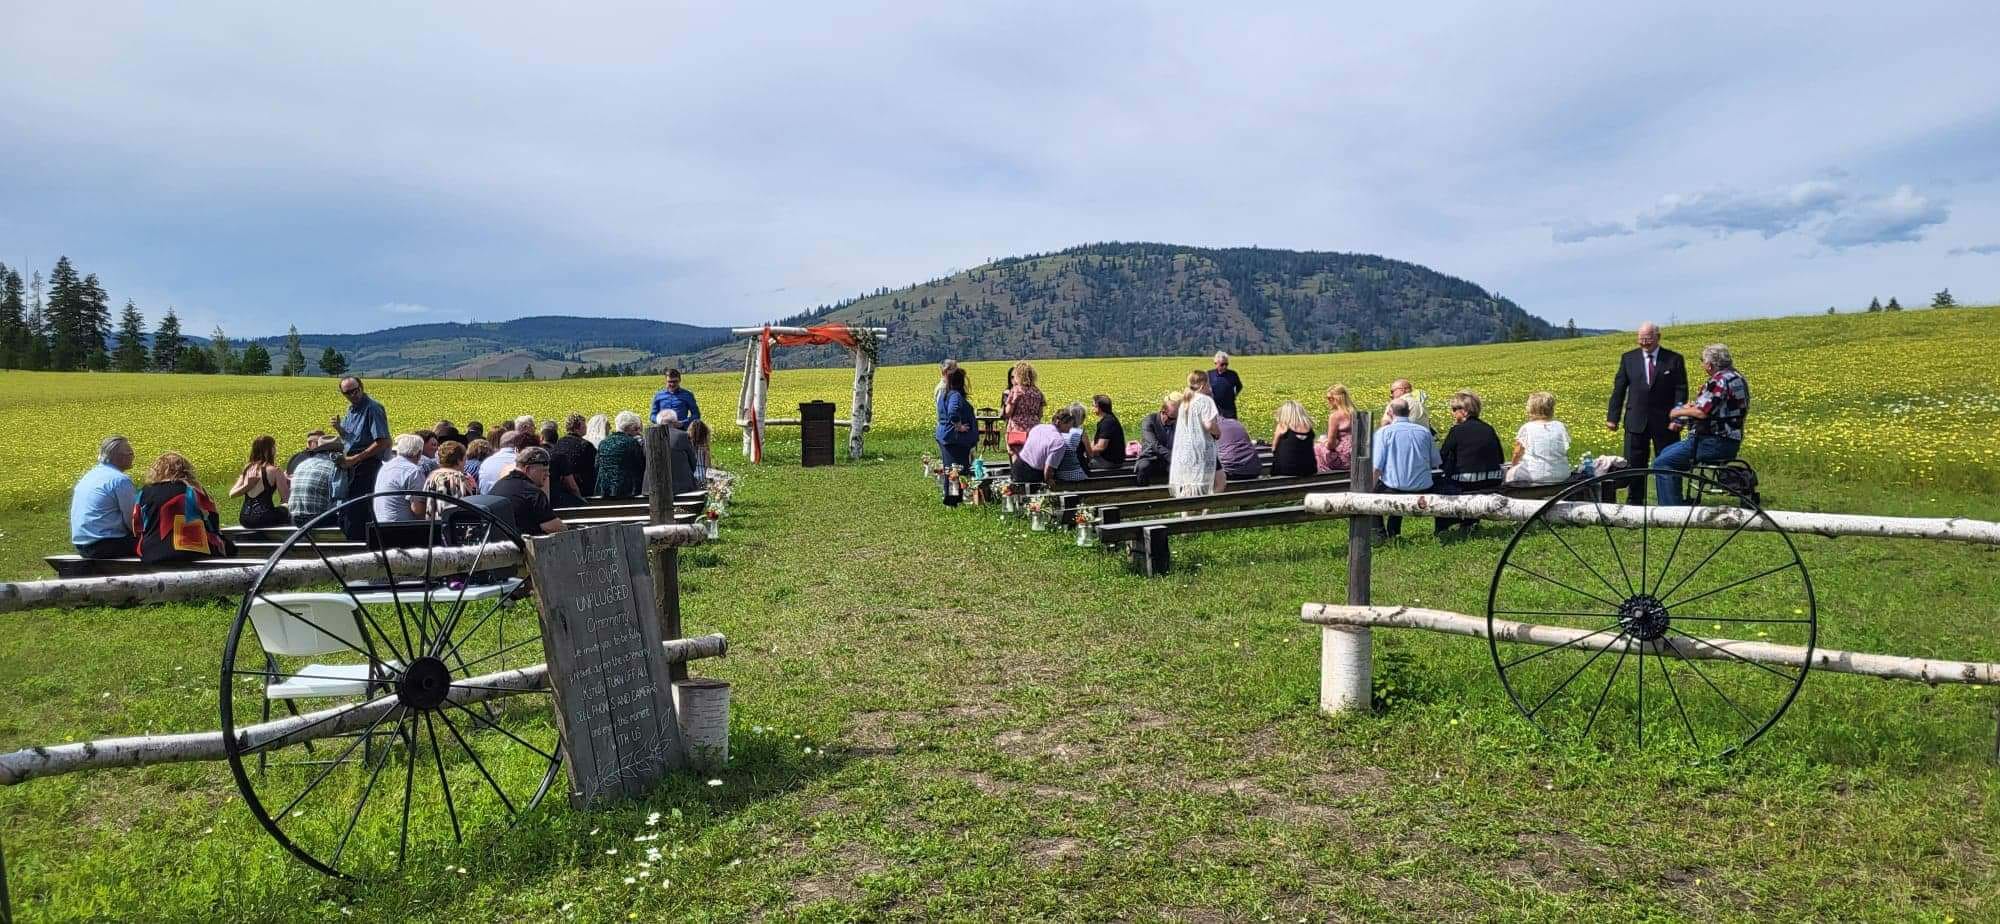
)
(1622, 597)
(381, 746)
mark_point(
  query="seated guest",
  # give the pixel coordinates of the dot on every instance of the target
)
(1069, 462)
(401, 473)
(597, 429)
(259, 484)
(1041, 451)
(1292, 443)
(1418, 400)
(1404, 457)
(313, 440)
(100, 508)
(446, 432)
(449, 478)
(575, 459)
(621, 459)
(1335, 452)
(1156, 442)
(474, 430)
(428, 462)
(1470, 459)
(1107, 441)
(1235, 455)
(698, 440)
(680, 452)
(549, 435)
(174, 518)
(526, 424)
(1716, 416)
(496, 466)
(1541, 446)
(526, 487)
(316, 481)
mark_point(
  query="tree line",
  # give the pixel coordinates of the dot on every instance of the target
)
(65, 325)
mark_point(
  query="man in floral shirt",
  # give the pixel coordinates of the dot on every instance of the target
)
(1715, 418)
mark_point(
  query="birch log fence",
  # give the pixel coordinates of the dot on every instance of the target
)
(1345, 652)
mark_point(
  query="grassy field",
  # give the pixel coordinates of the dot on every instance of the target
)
(940, 716)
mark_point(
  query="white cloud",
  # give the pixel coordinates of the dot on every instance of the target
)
(1578, 231)
(405, 308)
(1984, 250)
(1768, 213)
(1898, 217)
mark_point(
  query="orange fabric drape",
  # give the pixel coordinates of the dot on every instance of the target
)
(823, 334)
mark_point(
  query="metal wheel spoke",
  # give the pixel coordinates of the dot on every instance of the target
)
(1579, 558)
(1698, 672)
(1726, 540)
(474, 686)
(1678, 705)
(1544, 577)
(524, 642)
(409, 784)
(1606, 692)
(1555, 648)
(337, 761)
(1725, 650)
(1761, 574)
(1645, 536)
(287, 736)
(458, 605)
(476, 762)
(498, 605)
(386, 638)
(367, 791)
(1666, 567)
(489, 723)
(1553, 613)
(1577, 673)
(1747, 619)
(1642, 695)
(396, 597)
(437, 753)
(281, 675)
(1613, 541)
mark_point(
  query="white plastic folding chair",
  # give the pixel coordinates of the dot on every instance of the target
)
(310, 625)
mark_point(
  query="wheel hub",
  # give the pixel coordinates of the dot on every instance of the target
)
(1644, 618)
(425, 684)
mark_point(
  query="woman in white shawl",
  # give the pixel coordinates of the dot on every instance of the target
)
(1193, 472)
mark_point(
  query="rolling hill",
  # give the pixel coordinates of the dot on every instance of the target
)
(505, 349)
(1168, 300)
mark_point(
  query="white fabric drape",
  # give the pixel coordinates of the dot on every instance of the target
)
(1192, 473)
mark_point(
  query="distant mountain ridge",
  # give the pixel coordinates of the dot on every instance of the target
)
(1149, 299)
(550, 344)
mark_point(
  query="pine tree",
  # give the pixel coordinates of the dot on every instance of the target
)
(221, 351)
(295, 356)
(1943, 300)
(1352, 343)
(1875, 304)
(94, 324)
(256, 360)
(1893, 304)
(1829, 309)
(168, 344)
(1569, 329)
(13, 335)
(64, 316)
(35, 327)
(131, 340)
(528, 371)
(197, 362)
(1395, 340)
(1519, 333)
(331, 362)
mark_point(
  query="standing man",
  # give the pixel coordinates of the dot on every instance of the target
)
(364, 431)
(1651, 381)
(1404, 458)
(675, 398)
(100, 509)
(1224, 385)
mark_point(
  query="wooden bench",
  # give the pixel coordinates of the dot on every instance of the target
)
(1249, 495)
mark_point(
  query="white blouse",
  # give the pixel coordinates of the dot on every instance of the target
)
(1545, 455)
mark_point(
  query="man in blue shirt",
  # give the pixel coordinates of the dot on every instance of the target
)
(100, 509)
(679, 399)
(364, 430)
(1404, 458)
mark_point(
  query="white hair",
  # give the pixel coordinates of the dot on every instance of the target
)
(595, 431)
(627, 420)
(1717, 355)
(666, 416)
(1221, 357)
(109, 446)
(525, 420)
(409, 445)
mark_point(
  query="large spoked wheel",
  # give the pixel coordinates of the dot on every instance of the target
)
(369, 718)
(1685, 599)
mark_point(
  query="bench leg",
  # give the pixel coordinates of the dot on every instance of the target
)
(1158, 559)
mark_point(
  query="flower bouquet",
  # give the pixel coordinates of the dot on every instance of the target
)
(1037, 506)
(954, 483)
(1010, 499)
(713, 518)
(1085, 527)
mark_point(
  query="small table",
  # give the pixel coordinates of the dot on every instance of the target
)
(989, 426)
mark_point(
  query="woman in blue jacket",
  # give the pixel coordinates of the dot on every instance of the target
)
(957, 430)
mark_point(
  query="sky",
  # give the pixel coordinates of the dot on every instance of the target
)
(348, 167)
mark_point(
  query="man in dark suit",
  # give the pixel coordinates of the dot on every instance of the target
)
(1651, 381)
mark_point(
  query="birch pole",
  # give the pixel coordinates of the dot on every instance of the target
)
(863, 410)
(1889, 667)
(146, 750)
(1500, 507)
(285, 574)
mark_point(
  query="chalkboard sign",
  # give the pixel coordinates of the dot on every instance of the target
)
(601, 630)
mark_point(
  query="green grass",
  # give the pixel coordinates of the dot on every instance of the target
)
(1006, 727)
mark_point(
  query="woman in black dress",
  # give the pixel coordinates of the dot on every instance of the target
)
(1472, 457)
(1292, 443)
(264, 487)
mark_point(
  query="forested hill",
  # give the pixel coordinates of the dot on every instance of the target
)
(1164, 299)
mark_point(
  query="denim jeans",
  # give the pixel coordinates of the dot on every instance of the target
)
(1683, 456)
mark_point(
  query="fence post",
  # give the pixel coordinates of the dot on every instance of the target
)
(665, 561)
(1346, 653)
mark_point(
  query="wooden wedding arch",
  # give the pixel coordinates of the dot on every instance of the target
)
(864, 342)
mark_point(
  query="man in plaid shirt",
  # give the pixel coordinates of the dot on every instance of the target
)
(316, 481)
(1716, 418)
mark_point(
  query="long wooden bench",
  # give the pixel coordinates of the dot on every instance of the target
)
(1249, 494)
